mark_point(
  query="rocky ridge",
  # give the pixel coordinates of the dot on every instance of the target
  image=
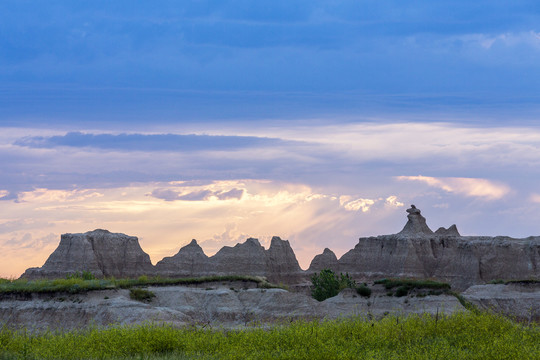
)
(225, 305)
(414, 252)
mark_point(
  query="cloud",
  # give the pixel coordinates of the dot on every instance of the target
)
(231, 194)
(198, 195)
(143, 142)
(393, 201)
(510, 39)
(28, 242)
(535, 198)
(3, 193)
(47, 195)
(471, 187)
(355, 205)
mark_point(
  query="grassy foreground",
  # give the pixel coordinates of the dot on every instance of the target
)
(459, 336)
(80, 284)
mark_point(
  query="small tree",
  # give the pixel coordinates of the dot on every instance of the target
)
(327, 284)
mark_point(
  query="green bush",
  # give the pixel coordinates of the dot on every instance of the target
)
(141, 295)
(327, 284)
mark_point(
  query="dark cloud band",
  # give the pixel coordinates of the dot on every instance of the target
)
(142, 142)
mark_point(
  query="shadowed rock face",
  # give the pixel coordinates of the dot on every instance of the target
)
(462, 261)
(326, 260)
(190, 261)
(277, 264)
(416, 225)
(101, 252)
(451, 231)
(281, 263)
(247, 258)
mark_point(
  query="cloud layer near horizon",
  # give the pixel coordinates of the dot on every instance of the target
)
(321, 185)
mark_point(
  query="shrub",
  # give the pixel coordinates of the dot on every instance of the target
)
(141, 295)
(327, 284)
(402, 291)
(363, 290)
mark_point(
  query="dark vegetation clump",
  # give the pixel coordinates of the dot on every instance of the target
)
(141, 295)
(363, 290)
(420, 287)
(327, 284)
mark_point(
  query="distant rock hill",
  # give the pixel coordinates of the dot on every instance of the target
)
(415, 252)
(101, 252)
(277, 264)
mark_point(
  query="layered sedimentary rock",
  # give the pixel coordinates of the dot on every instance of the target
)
(277, 264)
(281, 262)
(417, 252)
(100, 252)
(190, 261)
(247, 258)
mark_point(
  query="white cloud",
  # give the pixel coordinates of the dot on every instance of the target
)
(393, 201)
(354, 205)
(479, 188)
(487, 41)
(3, 193)
(535, 198)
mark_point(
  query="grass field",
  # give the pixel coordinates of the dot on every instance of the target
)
(459, 336)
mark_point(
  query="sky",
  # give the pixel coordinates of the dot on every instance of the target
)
(316, 121)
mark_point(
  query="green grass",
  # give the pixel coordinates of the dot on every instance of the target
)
(76, 285)
(459, 336)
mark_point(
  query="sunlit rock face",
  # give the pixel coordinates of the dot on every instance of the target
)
(100, 252)
(190, 261)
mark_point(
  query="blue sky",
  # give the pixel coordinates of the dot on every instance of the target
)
(329, 116)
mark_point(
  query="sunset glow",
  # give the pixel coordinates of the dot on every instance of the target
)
(313, 121)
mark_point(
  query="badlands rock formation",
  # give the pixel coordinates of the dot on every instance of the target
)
(415, 252)
(190, 261)
(418, 252)
(277, 264)
(326, 260)
(101, 252)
